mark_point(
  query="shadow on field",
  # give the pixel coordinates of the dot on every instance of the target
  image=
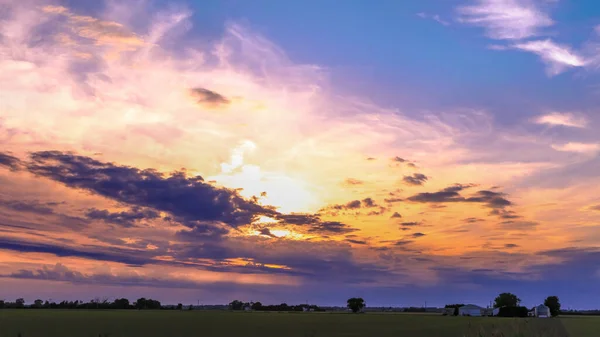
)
(534, 327)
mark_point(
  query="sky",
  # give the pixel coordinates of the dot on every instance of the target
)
(205, 151)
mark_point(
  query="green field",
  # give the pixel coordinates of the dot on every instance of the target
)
(132, 323)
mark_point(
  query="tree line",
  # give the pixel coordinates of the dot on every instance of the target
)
(257, 306)
(119, 303)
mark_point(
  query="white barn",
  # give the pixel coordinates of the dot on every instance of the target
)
(470, 310)
(542, 311)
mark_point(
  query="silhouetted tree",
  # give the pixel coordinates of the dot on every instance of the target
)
(256, 306)
(553, 303)
(506, 300)
(20, 303)
(356, 304)
(236, 305)
(179, 306)
(120, 303)
(38, 303)
(2, 304)
(191, 307)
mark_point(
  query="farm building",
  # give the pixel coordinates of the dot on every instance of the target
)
(470, 310)
(542, 311)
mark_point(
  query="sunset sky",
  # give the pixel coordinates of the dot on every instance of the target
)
(293, 151)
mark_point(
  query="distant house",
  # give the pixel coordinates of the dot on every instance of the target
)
(247, 308)
(470, 310)
(496, 312)
(542, 311)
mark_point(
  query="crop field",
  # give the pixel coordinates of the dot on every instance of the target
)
(131, 323)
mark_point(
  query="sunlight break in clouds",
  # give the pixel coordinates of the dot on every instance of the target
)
(564, 119)
(506, 19)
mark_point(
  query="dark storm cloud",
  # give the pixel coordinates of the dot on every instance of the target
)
(395, 215)
(13, 163)
(205, 96)
(113, 254)
(187, 198)
(124, 218)
(27, 206)
(266, 232)
(416, 179)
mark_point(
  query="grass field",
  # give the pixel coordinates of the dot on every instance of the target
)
(131, 323)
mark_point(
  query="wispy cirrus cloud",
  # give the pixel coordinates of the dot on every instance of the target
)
(562, 119)
(506, 19)
(586, 148)
(434, 17)
(558, 58)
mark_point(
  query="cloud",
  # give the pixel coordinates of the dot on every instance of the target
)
(450, 194)
(333, 227)
(357, 242)
(403, 242)
(188, 198)
(399, 159)
(417, 235)
(27, 206)
(354, 204)
(410, 224)
(558, 58)
(506, 19)
(352, 181)
(417, 179)
(114, 254)
(578, 147)
(124, 218)
(595, 208)
(518, 225)
(396, 215)
(9, 161)
(561, 119)
(511, 245)
(209, 97)
(434, 17)
(99, 31)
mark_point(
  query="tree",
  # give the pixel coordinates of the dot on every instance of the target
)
(38, 303)
(506, 300)
(20, 303)
(256, 306)
(120, 303)
(1, 304)
(356, 304)
(236, 305)
(553, 303)
(179, 306)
